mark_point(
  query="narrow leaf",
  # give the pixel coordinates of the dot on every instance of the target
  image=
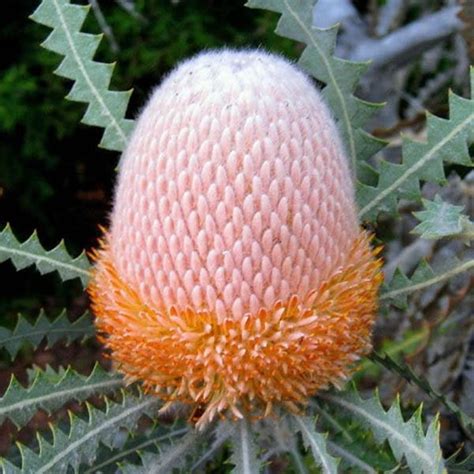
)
(173, 456)
(441, 219)
(350, 458)
(31, 252)
(317, 443)
(465, 466)
(50, 390)
(400, 286)
(244, 450)
(108, 459)
(408, 374)
(106, 108)
(406, 438)
(80, 445)
(43, 329)
(447, 142)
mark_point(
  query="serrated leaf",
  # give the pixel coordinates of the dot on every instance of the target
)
(244, 449)
(222, 432)
(174, 456)
(408, 374)
(106, 108)
(406, 438)
(447, 142)
(43, 329)
(400, 286)
(440, 219)
(317, 443)
(80, 445)
(31, 252)
(154, 439)
(350, 458)
(465, 466)
(341, 77)
(353, 442)
(50, 390)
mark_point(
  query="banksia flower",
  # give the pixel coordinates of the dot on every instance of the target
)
(234, 275)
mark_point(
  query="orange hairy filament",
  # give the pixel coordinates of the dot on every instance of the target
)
(278, 357)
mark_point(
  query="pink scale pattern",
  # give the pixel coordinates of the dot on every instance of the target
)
(234, 191)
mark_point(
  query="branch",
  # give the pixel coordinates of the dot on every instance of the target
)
(401, 46)
(104, 26)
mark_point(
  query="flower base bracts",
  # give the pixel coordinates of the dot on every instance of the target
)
(279, 356)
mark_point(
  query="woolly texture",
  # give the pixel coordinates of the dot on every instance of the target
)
(235, 275)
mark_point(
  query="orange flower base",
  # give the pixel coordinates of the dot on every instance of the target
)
(277, 357)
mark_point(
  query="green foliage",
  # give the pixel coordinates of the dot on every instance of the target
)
(341, 77)
(441, 219)
(406, 438)
(244, 449)
(81, 443)
(448, 141)
(408, 374)
(400, 286)
(43, 329)
(316, 442)
(31, 252)
(174, 455)
(154, 439)
(106, 108)
(50, 390)
(465, 466)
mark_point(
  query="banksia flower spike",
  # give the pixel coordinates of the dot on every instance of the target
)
(235, 275)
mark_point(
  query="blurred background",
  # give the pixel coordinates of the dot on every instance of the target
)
(53, 178)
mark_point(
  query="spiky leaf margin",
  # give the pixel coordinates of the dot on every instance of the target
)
(352, 442)
(61, 328)
(159, 436)
(175, 455)
(316, 442)
(244, 449)
(106, 108)
(340, 76)
(396, 290)
(80, 445)
(464, 466)
(31, 252)
(421, 382)
(447, 142)
(440, 219)
(406, 438)
(50, 390)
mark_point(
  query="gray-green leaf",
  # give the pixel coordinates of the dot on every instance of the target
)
(50, 390)
(106, 108)
(406, 438)
(31, 252)
(441, 219)
(43, 329)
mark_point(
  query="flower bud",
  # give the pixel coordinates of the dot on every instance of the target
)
(235, 275)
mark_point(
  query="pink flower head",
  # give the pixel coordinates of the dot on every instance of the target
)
(235, 274)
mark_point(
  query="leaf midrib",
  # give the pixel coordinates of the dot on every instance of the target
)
(309, 437)
(41, 258)
(90, 434)
(37, 400)
(351, 407)
(335, 84)
(432, 281)
(83, 70)
(27, 335)
(419, 164)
